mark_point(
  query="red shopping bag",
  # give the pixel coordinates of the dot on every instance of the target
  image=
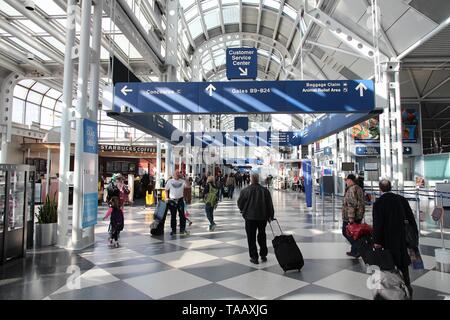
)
(357, 230)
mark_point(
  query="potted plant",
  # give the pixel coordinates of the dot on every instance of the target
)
(46, 227)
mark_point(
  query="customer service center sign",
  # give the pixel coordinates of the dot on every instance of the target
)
(242, 63)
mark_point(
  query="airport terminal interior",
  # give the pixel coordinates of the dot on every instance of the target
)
(110, 109)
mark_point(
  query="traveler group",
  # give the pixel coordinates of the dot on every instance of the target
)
(393, 227)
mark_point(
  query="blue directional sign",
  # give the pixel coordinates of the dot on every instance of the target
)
(243, 138)
(242, 63)
(319, 96)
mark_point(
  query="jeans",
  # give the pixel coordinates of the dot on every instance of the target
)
(210, 213)
(251, 227)
(353, 250)
(230, 192)
(174, 206)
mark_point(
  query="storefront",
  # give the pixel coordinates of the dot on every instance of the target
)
(135, 160)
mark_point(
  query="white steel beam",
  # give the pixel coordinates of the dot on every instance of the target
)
(36, 18)
(10, 28)
(425, 38)
(222, 24)
(258, 21)
(342, 33)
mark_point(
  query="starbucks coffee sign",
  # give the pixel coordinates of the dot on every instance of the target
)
(119, 148)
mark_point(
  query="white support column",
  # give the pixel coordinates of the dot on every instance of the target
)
(83, 73)
(172, 10)
(313, 168)
(335, 164)
(158, 163)
(4, 149)
(47, 178)
(382, 100)
(64, 153)
(398, 128)
(6, 108)
(94, 91)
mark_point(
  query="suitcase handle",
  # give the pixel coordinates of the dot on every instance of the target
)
(270, 224)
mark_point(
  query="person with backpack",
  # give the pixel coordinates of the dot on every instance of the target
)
(353, 208)
(116, 222)
(211, 198)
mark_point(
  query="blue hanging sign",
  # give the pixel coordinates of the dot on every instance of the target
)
(306, 167)
(242, 63)
(241, 138)
(318, 96)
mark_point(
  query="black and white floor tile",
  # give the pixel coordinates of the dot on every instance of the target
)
(211, 265)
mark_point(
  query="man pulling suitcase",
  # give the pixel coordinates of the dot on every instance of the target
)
(255, 204)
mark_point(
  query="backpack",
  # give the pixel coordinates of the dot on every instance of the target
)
(117, 219)
(212, 198)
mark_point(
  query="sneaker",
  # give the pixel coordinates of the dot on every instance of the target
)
(263, 259)
(116, 244)
(212, 227)
(184, 233)
(254, 261)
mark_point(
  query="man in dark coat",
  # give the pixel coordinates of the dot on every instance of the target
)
(255, 204)
(389, 214)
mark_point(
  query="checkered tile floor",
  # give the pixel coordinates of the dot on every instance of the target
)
(209, 265)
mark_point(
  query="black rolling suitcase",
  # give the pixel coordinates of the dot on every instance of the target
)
(159, 218)
(287, 251)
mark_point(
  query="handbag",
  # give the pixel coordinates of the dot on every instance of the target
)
(380, 257)
(437, 213)
(411, 234)
(357, 230)
(388, 285)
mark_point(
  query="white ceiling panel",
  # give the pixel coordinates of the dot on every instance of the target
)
(391, 10)
(363, 68)
(411, 27)
(352, 10)
(343, 58)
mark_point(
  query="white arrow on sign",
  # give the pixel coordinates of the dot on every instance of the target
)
(244, 71)
(210, 88)
(125, 90)
(361, 87)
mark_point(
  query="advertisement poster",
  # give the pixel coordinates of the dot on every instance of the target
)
(410, 124)
(90, 191)
(369, 131)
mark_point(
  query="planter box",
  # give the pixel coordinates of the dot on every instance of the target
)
(46, 234)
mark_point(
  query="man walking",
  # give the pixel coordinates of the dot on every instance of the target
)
(255, 204)
(352, 210)
(390, 213)
(175, 190)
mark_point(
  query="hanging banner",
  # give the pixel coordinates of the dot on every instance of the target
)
(410, 124)
(369, 131)
(90, 179)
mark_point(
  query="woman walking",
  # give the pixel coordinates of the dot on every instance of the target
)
(211, 197)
